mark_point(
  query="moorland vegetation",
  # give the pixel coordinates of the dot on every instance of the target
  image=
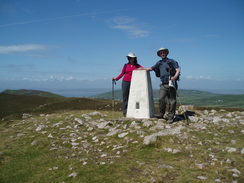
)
(58, 139)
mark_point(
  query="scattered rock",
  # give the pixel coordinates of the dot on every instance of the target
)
(202, 178)
(230, 149)
(107, 141)
(25, 116)
(73, 175)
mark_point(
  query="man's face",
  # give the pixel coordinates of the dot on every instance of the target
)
(163, 54)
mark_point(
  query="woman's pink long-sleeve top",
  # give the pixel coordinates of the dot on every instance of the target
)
(127, 72)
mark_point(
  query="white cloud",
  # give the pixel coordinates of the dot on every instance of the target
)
(129, 24)
(21, 48)
(198, 77)
(70, 78)
(189, 77)
(204, 77)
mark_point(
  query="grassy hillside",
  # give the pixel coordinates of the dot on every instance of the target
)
(224, 101)
(192, 97)
(186, 95)
(31, 93)
(13, 106)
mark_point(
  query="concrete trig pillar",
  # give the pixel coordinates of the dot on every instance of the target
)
(140, 104)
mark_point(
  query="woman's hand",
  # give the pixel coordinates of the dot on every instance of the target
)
(114, 79)
(140, 68)
(145, 68)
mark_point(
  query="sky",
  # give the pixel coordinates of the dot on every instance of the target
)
(57, 45)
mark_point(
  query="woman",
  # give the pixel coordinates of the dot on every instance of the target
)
(127, 73)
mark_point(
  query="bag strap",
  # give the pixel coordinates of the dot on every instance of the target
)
(124, 68)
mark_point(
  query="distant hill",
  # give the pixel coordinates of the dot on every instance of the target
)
(192, 97)
(13, 106)
(31, 93)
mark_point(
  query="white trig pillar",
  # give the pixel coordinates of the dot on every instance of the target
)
(140, 104)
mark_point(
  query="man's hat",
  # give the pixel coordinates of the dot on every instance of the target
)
(161, 49)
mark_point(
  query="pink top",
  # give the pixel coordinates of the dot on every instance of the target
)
(127, 72)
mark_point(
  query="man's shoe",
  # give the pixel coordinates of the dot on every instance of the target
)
(170, 120)
(160, 116)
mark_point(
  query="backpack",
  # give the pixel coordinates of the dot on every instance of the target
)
(172, 69)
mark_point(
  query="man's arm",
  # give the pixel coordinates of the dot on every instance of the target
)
(177, 73)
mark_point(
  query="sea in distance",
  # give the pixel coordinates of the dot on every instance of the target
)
(84, 92)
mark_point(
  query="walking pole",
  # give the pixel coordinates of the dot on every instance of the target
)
(113, 83)
(187, 123)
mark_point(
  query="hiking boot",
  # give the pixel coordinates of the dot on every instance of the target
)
(159, 116)
(170, 120)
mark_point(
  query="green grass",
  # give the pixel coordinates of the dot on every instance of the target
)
(193, 97)
(21, 161)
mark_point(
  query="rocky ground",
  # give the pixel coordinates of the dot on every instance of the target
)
(212, 141)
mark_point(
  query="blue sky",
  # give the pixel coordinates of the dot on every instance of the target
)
(77, 44)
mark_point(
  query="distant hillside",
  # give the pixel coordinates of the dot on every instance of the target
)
(13, 106)
(31, 93)
(192, 97)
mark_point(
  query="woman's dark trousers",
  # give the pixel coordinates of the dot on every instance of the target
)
(125, 94)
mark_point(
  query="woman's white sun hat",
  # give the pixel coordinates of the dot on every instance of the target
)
(131, 55)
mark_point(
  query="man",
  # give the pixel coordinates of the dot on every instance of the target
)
(168, 86)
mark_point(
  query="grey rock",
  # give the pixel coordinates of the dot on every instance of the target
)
(79, 121)
(150, 139)
(103, 124)
(230, 149)
(123, 134)
(242, 151)
(25, 116)
(113, 132)
(40, 127)
(165, 166)
(202, 177)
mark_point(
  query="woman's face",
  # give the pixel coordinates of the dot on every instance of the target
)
(131, 59)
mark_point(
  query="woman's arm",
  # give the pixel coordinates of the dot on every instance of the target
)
(121, 74)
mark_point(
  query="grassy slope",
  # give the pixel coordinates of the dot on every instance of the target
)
(18, 104)
(193, 97)
(14, 106)
(31, 93)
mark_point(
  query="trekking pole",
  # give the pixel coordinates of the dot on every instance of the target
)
(187, 123)
(113, 83)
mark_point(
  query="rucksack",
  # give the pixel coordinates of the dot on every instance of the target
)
(172, 69)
